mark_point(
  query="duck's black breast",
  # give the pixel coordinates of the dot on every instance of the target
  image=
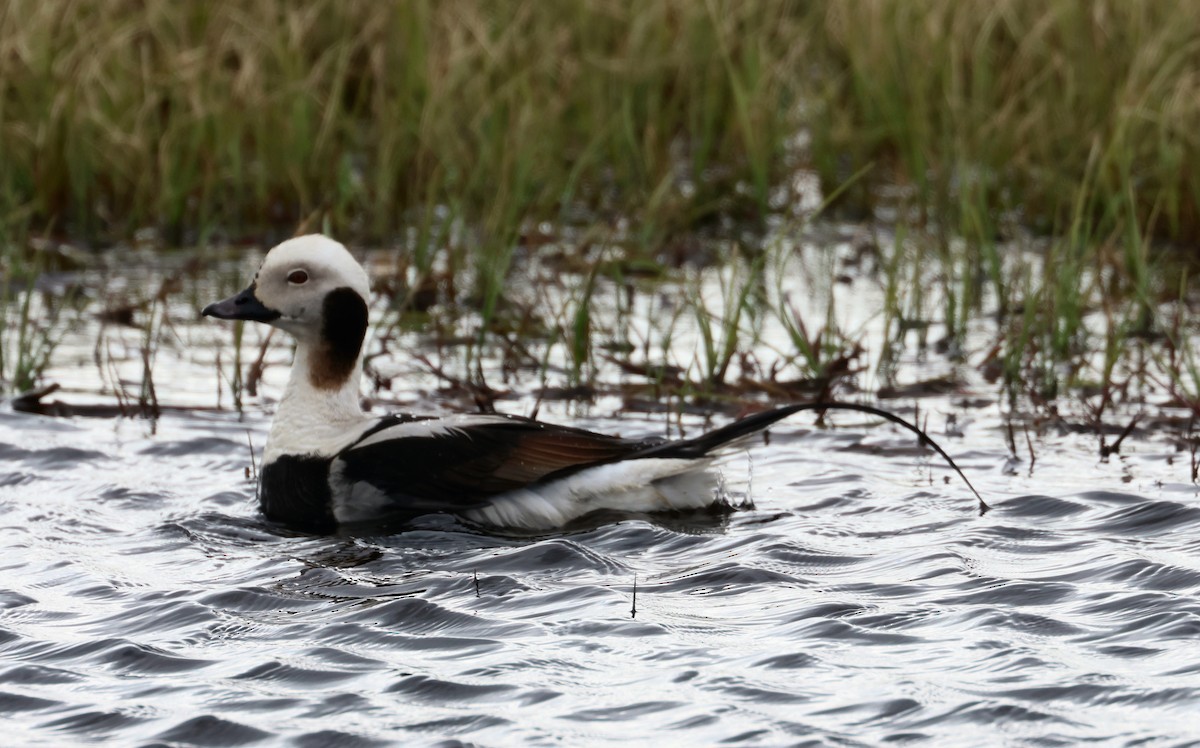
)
(294, 490)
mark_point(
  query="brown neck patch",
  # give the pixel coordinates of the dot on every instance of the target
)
(343, 327)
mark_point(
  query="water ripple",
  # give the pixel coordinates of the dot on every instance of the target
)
(861, 603)
(209, 730)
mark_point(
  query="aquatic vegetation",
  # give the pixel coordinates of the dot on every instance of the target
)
(1031, 164)
(31, 321)
(671, 113)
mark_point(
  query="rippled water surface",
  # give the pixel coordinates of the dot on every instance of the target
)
(861, 601)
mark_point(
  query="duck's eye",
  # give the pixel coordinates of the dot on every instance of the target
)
(297, 277)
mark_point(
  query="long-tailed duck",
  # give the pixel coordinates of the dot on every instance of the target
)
(328, 463)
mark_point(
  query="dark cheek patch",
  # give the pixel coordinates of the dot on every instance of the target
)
(343, 327)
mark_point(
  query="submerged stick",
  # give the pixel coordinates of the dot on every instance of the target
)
(921, 435)
(700, 445)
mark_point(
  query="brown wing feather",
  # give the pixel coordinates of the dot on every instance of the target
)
(466, 465)
(536, 454)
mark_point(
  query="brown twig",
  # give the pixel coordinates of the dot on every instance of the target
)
(254, 372)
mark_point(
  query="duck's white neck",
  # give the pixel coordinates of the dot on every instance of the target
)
(318, 414)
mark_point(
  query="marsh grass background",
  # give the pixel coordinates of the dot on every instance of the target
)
(642, 136)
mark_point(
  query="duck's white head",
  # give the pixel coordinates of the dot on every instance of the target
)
(313, 288)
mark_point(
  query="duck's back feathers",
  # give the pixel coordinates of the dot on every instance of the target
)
(451, 464)
(515, 472)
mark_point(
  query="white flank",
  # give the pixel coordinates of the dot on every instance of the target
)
(646, 485)
(356, 502)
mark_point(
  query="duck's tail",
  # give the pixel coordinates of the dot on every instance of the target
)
(699, 446)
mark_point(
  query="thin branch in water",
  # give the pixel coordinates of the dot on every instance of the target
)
(253, 465)
(483, 395)
(1029, 446)
(1105, 451)
(751, 424)
(254, 372)
(1194, 448)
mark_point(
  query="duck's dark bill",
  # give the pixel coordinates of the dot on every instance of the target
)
(243, 306)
